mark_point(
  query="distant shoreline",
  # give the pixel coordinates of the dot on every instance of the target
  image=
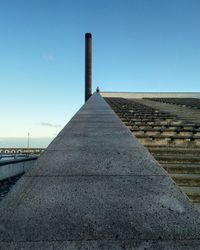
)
(21, 142)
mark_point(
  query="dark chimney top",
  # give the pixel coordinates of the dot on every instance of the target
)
(88, 35)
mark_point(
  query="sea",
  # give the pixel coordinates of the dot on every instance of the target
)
(22, 142)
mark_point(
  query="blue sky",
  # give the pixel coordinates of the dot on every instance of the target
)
(138, 45)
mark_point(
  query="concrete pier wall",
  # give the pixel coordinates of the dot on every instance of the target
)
(15, 167)
(97, 187)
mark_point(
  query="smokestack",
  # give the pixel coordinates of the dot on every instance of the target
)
(88, 65)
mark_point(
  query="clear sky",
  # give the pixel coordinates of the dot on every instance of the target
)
(138, 45)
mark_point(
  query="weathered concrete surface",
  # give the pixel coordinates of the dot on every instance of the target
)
(183, 113)
(96, 187)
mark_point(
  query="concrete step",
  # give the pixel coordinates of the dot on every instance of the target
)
(161, 136)
(168, 126)
(180, 169)
(190, 189)
(174, 150)
(147, 119)
(193, 193)
(168, 142)
(187, 165)
(194, 197)
(188, 175)
(166, 129)
(192, 180)
(175, 153)
(177, 158)
(197, 206)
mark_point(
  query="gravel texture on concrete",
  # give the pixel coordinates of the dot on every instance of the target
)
(97, 187)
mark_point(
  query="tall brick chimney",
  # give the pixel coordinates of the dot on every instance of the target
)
(88, 65)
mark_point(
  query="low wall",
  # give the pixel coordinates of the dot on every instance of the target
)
(11, 168)
(151, 94)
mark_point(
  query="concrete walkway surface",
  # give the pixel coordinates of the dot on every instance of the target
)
(97, 187)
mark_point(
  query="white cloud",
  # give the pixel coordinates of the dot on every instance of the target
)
(48, 124)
